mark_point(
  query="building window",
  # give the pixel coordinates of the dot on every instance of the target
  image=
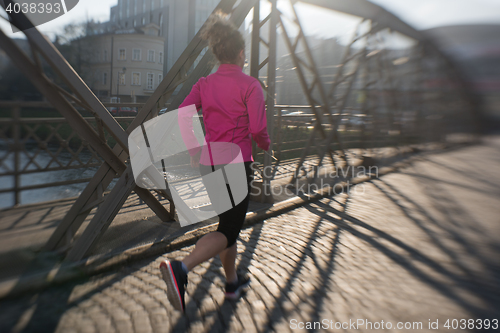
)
(143, 21)
(121, 78)
(136, 79)
(105, 55)
(136, 54)
(150, 81)
(128, 8)
(104, 78)
(135, 7)
(160, 21)
(152, 5)
(161, 58)
(161, 3)
(135, 23)
(122, 54)
(143, 6)
(160, 78)
(151, 56)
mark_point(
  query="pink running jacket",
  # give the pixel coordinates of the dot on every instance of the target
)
(233, 111)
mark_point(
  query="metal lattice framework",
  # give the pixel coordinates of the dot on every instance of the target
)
(367, 68)
(45, 145)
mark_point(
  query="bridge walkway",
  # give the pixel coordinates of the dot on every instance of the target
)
(414, 246)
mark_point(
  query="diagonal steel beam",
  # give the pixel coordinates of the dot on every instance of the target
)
(317, 84)
(366, 107)
(44, 85)
(318, 126)
(344, 98)
(83, 129)
(55, 95)
(60, 66)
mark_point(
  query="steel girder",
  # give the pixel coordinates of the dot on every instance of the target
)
(324, 103)
(269, 86)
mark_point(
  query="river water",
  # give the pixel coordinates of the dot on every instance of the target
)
(43, 159)
(52, 193)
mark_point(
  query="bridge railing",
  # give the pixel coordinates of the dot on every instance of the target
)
(37, 146)
(39, 150)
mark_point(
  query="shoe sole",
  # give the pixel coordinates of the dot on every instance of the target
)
(173, 293)
(237, 293)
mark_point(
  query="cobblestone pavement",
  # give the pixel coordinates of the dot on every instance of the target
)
(415, 246)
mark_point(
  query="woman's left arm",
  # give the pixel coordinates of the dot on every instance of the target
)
(189, 107)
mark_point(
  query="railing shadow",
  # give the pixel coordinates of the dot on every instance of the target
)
(462, 171)
(42, 310)
(408, 262)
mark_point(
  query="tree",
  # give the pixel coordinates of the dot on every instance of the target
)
(14, 85)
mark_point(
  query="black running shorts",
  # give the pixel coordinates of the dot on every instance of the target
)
(231, 221)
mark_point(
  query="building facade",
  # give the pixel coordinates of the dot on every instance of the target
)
(178, 21)
(127, 64)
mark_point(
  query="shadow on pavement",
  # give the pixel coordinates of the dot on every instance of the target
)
(138, 292)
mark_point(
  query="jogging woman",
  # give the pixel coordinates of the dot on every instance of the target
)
(233, 111)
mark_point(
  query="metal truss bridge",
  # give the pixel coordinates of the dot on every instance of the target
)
(376, 96)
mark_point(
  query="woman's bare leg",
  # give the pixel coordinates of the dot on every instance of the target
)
(207, 247)
(228, 259)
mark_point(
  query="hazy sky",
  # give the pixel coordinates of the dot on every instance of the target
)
(421, 14)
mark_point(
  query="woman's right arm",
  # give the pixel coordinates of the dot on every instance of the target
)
(194, 96)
